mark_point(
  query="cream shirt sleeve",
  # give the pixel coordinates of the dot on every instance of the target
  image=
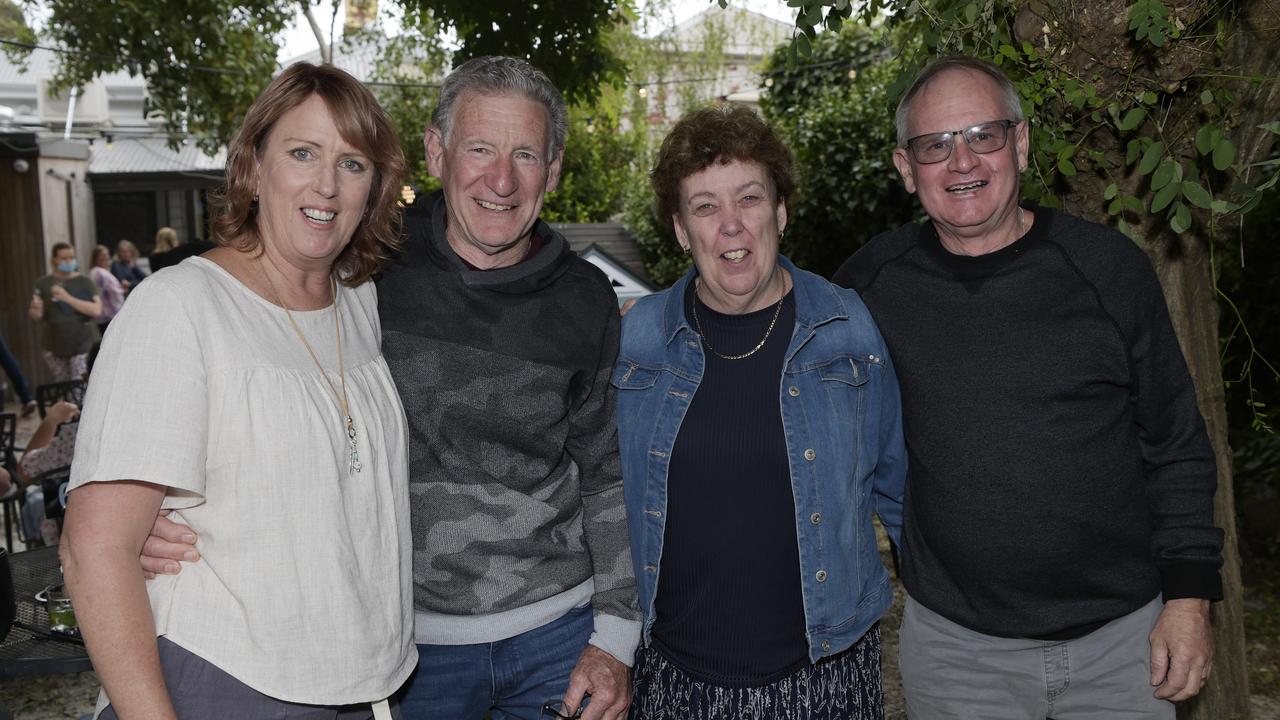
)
(145, 414)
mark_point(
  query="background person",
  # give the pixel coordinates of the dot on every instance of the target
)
(64, 306)
(759, 421)
(51, 447)
(109, 288)
(170, 250)
(125, 266)
(1058, 532)
(256, 377)
(13, 369)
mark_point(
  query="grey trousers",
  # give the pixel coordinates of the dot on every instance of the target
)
(952, 673)
(201, 691)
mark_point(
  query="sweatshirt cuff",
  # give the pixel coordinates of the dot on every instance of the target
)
(618, 637)
(1190, 580)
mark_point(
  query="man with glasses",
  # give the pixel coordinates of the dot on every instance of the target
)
(1058, 546)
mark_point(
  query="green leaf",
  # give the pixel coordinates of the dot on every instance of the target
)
(1009, 51)
(804, 48)
(1271, 127)
(1110, 192)
(1066, 167)
(1224, 153)
(971, 12)
(1196, 194)
(1114, 207)
(1148, 98)
(1181, 221)
(1132, 203)
(1206, 97)
(1164, 197)
(1151, 158)
(1205, 138)
(1222, 207)
(1132, 119)
(1163, 174)
(1132, 151)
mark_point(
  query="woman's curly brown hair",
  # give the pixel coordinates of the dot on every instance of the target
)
(361, 122)
(717, 134)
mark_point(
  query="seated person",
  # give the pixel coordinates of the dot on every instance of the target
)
(51, 447)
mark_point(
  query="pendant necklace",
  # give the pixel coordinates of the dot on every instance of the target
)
(354, 465)
(776, 312)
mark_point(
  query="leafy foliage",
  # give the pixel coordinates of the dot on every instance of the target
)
(567, 39)
(597, 166)
(1156, 131)
(407, 71)
(836, 115)
(13, 26)
(205, 61)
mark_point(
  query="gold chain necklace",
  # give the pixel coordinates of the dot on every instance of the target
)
(698, 323)
(354, 465)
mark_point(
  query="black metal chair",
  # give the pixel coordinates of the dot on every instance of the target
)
(71, 390)
(54, 485)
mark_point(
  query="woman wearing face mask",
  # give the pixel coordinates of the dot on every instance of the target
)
(64, 306)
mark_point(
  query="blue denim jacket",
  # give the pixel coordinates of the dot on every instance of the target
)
(842, 417)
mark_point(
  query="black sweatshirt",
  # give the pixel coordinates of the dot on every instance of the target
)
(1060, 474)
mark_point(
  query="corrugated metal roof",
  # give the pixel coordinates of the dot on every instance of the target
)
(152, 155)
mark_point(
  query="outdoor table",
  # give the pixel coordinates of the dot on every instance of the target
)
(31, 648)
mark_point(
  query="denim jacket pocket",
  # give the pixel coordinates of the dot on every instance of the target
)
(848, 370)
(633, 376)
(843, 379)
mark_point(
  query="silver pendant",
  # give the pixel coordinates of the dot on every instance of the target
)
(351, 443)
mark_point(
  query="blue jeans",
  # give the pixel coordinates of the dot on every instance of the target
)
(509, 678)
(14, 371)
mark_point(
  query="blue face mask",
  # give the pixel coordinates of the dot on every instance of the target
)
(68, 267)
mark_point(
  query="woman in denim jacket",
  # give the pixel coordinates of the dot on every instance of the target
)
(760, 428)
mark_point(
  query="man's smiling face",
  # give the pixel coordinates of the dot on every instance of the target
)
(495, 170)
(967, 195)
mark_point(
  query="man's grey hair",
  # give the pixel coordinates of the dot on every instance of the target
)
(1008, 93)
(500, 75)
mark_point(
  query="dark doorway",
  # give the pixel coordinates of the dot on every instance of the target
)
(126, 216)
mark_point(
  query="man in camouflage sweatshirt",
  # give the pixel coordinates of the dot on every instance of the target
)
(501, 342)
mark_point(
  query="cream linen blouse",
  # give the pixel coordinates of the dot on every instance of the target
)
(304, 586)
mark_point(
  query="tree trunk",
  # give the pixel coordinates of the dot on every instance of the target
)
(1186, 273)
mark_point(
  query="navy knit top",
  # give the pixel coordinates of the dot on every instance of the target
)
(729, 608)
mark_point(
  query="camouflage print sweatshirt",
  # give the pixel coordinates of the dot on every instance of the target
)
(515, 482)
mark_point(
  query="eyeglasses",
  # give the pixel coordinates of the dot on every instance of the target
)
(984, 138)
(555, 711)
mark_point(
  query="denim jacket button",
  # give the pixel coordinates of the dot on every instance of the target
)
(826, 646)
(815, 518)
(793, 391)
(820, 576)
(810, 454)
